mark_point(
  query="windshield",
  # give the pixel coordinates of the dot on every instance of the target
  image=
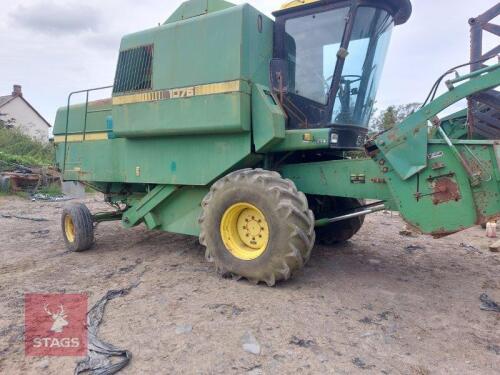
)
(312, 43)
(363, 66)
(309, 41)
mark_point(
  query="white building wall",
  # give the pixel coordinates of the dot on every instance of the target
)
(25, 119)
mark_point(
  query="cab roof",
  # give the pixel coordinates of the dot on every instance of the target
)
(400, 9)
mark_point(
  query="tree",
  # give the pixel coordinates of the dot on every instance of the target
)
(391, 116)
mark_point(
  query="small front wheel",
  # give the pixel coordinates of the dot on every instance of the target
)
(77, 227)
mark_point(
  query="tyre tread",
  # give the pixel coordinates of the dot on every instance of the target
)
(290, 204)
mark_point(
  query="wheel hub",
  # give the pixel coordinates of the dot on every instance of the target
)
(245, 231)
(69, 228)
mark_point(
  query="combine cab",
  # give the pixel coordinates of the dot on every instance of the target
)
(227, 125)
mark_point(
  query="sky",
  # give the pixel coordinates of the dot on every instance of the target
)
(53, 47)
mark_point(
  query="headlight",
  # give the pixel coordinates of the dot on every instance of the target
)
(334, 138)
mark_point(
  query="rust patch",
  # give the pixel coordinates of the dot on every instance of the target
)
(378, 180)
(392, 136)
(436, 166)
(445, 189)
(483, 219)
(101, 102)
(440, 233)
(436, 121)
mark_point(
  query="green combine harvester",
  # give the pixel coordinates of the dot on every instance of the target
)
(227, 125)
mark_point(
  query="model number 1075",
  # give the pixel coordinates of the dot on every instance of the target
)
(182, 93)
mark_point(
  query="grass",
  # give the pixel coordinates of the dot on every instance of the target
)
(22, 194)
(18, 148)
(89, 190)
(51, 190)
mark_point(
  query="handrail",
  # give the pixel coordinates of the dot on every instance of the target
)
(412, 132)
(450, 83)
(85, 121)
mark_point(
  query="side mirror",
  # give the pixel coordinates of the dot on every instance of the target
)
(279, 71)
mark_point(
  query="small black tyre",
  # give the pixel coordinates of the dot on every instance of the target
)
(256, 225)
(77, 227)
(341, 231)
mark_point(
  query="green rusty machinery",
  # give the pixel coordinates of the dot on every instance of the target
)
(231, 126)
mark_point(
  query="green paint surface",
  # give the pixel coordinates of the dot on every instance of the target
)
(336, 178)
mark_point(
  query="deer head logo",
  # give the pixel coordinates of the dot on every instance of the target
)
(59, 319)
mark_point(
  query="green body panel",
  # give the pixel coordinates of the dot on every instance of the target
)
(216, 47)
(187, 53)
(294, 140)
(268, 119)
(180, 213)
(167, 207)
(455, 125)
(143, 209)
(194, 160)
(444, 213)
(357, 178)
(97, 115)
(194, 8)
(211, 114)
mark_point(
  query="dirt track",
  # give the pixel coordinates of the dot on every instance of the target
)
(371, 306)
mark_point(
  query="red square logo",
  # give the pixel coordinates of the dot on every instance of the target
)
(55, 324)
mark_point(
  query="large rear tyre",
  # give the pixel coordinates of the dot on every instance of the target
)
(77, 227)
(327, 207)
(256, 225)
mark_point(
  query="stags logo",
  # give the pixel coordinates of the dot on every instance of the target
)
(59, 319)
(55, 324)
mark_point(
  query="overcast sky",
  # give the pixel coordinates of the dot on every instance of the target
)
(53, 47)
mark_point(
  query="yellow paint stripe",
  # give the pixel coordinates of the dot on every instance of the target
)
(297, 3)
(79, 137)
(178, 93)
(217, 88)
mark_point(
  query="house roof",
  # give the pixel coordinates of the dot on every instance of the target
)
(8, 98)
(5, 99)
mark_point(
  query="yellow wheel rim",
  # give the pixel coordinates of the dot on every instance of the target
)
(69, 228)
(244, 231)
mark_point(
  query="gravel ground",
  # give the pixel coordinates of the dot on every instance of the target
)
(379, 304)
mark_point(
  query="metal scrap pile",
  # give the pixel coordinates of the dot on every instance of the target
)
(15, 178)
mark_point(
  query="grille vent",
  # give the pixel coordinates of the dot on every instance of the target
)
(134, 70)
